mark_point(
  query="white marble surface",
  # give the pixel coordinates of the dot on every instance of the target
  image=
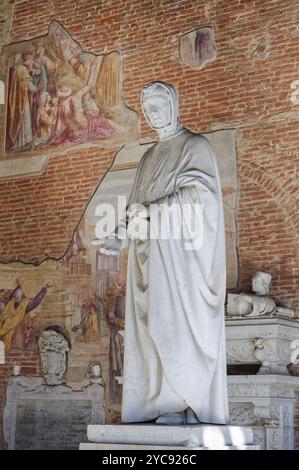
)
(264, 340)
(174, 356)
(192, 436)
(256, 303)
(93, 446)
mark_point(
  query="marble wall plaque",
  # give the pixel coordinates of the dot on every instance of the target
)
(48, 425)
(43, 417)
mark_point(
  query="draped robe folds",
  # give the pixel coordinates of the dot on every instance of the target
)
(20, 132)
(174, 326)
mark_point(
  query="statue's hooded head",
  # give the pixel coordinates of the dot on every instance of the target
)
(160, 105)
(261, 283)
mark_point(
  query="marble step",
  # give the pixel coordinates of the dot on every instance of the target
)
(152, 436)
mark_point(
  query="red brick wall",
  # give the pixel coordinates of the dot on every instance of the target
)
(247, 87)
(30, 365)
(39, 214)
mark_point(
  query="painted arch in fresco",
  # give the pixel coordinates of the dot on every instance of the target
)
(56, 95)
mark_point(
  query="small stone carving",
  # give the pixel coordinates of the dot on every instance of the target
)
(272, 356)
(16, 370)
(95, 375)
(293, 366)
(257, 303)
(53, 349)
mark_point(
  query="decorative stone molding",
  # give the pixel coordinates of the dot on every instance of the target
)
(266, 403)
(261, 340)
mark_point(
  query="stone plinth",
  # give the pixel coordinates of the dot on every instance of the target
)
(266, 403)
(43, 417)
(153, 436)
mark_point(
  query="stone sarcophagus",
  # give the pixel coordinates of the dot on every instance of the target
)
(261, 342)
(264, 341)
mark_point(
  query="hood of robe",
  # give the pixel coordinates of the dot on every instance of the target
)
(173, 97)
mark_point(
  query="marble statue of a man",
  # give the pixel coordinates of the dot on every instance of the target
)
(174, 360)
(257, 303)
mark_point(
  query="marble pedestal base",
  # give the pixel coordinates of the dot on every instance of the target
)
(156, 437)
(267, 404)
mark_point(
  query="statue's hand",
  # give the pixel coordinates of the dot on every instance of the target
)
(110, 246)
(138, 222)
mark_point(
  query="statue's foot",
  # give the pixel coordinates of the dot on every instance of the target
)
(191, 417)
(172, 418)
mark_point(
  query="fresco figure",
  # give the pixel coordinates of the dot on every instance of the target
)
(45, 119)
(84, 89)
(48, 69)
(14, 313)
(21, 89)
(114, 303)
(77, 126)
(76, 247)
(89, 324)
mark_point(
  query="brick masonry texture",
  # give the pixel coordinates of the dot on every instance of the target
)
(248, 85)
(247, 88)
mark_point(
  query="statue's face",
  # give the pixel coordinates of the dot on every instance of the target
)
(260, 285)
(157, 108)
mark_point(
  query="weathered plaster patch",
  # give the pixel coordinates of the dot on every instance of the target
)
(260, 47)
(20, 167)
(198, 47)
(284, 116)
(294, 95)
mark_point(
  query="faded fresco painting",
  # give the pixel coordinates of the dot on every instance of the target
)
(56, 94)
(18, 320)
(198, 47)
